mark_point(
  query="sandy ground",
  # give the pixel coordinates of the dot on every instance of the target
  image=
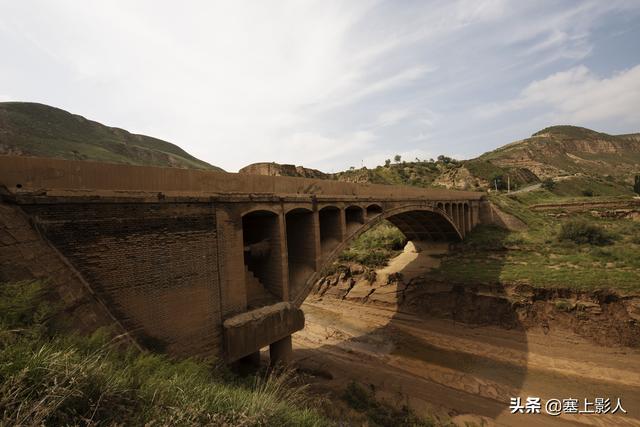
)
(442, 367)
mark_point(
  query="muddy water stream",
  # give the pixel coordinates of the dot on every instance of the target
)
(457, 369)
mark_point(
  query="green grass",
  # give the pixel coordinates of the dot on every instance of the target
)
(375, 247)
(363, 400)
(52, 379)
(541, 257)
(584, 232)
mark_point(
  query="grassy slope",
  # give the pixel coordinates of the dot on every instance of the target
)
(540, 258)
(39, 130)
(51, 379)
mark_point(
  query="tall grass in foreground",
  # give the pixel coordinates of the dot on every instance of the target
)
(48, 379)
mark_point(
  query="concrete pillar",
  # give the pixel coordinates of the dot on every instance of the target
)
(316, 238)
(281, 351)
(284, 257)
(454, 214)
(231, 261)
(343, 224)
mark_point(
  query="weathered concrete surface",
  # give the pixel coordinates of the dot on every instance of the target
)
(258, 328)
(173, 253)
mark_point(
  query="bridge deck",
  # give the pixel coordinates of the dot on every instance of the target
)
(23, 174)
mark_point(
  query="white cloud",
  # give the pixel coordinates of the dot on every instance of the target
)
(392, 117)
(5, 98)
(577, 95)
(300, 82)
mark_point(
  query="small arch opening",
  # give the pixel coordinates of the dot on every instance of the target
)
(262, 258)
(301, 248)
(373, 210)
(354, 218)
(330, 228)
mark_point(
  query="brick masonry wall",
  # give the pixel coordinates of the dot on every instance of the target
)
(154, 265)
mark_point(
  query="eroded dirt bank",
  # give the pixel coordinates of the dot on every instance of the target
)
(461, 352)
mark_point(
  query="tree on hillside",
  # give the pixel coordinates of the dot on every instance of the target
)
(636, 186)
(498, 182)
(387, 163)
(397, 158)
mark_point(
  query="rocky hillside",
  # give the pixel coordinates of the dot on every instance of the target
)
(569, 150)
(577, 157)
(276, 169)
(30, 129)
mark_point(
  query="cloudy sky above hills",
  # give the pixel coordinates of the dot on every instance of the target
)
(328, 84)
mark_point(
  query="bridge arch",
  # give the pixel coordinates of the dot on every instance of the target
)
(417, 222)
(263, 273)
(331, 232)
(301, 247)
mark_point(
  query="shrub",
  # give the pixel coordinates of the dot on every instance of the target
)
(582, 232)
(375, 247)
(587, 193)
(548, 184)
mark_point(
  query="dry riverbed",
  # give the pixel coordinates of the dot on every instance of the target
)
(461, 354)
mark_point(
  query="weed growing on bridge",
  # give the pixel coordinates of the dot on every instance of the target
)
(48, 379)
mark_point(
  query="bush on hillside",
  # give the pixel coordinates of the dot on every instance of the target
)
(548, 184)
(583, 232)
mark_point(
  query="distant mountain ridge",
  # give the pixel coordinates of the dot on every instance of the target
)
(32, 129)
(591, 159)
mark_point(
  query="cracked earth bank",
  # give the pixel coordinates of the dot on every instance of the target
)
(459, 353)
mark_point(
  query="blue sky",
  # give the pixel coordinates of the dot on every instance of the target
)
(328, 84)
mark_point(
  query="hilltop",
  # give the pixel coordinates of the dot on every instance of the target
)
(31, 129)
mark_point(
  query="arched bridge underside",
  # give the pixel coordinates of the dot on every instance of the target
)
(206, 263)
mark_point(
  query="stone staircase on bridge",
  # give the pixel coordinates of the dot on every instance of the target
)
(257, 295)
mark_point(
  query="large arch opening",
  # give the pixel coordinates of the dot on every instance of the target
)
(354, 218)
(415, 223)
(301, 248)
(262, 258)
(330, 228)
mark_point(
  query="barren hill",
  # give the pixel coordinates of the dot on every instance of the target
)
(31, 129)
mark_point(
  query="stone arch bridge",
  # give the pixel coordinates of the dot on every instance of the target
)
(196, 262)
